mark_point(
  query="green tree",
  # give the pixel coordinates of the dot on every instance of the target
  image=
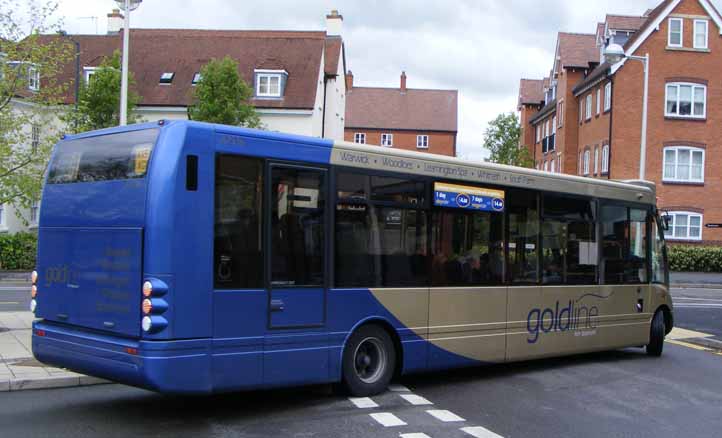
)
(221, 96)
(501, 138)
(31, 56)
(99, 99)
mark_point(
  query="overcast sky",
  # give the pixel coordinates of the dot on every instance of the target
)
(480, 47)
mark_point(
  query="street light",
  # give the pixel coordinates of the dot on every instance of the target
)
(613, 54)
(126, 6)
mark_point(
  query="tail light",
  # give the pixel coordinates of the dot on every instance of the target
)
(33, 291)
(153, 306)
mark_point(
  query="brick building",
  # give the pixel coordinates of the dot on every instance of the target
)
(404, 118)
(586, 117)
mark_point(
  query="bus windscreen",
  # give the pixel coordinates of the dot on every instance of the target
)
(103, 158)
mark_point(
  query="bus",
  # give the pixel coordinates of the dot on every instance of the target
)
(186, 257)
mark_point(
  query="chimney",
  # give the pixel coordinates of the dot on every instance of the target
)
(349, 80)
(115, 21)
(334, 22)
(403, 82)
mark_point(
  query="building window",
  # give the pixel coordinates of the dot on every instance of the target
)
(686, 100)
(596, 160)
(422, 141)
(589, 106)
(359, 137)
(553, 166)
(538, 134)
(684, 225)
(167, 78)
(34, 210)
(33, 78)
(676, 29)
(586, 162)
(599, 100)
(387, 140)
(700, 34)
(560, 113)
(608, 96)
(268, 85)
(683, 164)
(196, 79)
(605, 159)
(554, 124)
(35, 137)
(88, 73)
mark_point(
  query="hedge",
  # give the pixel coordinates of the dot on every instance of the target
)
(688, 258)
(17, 251)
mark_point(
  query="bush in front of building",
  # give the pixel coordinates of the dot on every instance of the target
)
(692, 258)
(18, 251)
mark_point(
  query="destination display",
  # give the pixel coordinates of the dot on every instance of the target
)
(468, 197)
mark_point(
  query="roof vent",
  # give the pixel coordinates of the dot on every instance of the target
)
(167, 77)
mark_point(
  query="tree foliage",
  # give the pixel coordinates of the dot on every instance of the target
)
(501, 138)
(99, 99)
(221, 96)
(29, 94)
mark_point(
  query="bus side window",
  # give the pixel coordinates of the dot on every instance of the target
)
(238, 261)
(192, 173)
(624, 244)
(523, 243)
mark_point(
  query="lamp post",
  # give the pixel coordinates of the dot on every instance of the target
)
(127, 6)
(613, 54)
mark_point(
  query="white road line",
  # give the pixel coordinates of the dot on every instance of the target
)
(705, 305)
(415, 400)
(387, 419)
(697, 299)
(480, 432)
(363, 402)
(414, 435)
(398, 388)
(445, 416)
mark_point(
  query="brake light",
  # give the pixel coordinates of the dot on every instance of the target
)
(33, 291)
(40, 333)
(131, 350)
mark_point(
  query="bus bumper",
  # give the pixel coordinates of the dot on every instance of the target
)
(181, 367)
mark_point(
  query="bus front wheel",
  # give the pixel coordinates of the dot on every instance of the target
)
(656, 335)
(369, 361)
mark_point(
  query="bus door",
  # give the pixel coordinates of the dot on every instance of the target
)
(297, 242)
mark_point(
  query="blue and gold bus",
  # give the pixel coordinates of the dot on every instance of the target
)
(186, 257)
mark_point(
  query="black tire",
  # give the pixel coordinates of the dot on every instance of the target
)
(369, 361)
(656, 335)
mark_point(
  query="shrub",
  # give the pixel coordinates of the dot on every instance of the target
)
(689, 258)
(18, 251)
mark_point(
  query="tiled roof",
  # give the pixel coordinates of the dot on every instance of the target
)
(531, 91)
(185, 51)
(390, 108)
(595, 75)
(624, 22)
(650, 17)
(577, 49)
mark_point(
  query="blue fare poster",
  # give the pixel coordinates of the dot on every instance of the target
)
(468, 197)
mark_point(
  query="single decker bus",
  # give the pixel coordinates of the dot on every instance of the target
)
(187, 257)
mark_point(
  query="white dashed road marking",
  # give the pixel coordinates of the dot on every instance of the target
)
(414, 435)
(415, 400)
(480, 432)
(445, 416)
(363, 402)
(398, 388)
(387, 419)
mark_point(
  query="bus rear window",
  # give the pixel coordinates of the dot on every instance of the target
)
(103, 158)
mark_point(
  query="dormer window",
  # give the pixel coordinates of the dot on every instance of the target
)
(167, 78)
(270, 83)
(196, 79)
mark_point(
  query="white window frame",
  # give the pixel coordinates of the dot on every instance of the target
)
(678, 86)
(553, 166)
(589, 107)
(706, 34)
(34, 137)
(196, 79)
(596, 160)
(33, 78)
(607, 96)
(554, 124)
(675, 178)
(422, 141)
(359, 137)
(538, 134)
(88, 72)
(605, 159)
(387, 140)
(599, 101)
(268, 76)
(587, 157)
(670, 233)
(681, 32)
(166, 78)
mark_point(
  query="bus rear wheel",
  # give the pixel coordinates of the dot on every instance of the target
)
(656, 335)
(369, 361)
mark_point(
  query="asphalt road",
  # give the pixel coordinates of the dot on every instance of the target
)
(699, 309)
(622, 393)
(14, 297)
